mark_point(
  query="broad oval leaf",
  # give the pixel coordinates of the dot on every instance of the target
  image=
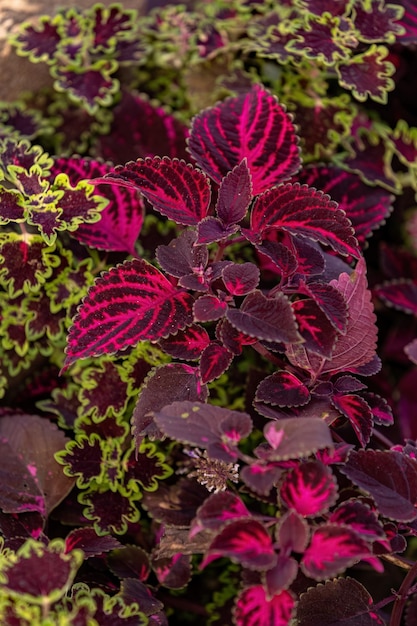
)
(209, 308)
(282, 389)
(217, 510)
(244, 541)
(215, 360)
(332, 550)
(390, 477)
(131, 302)
(252, 126)
(309, 489)
(306, 212)
(254, 607)
(296, 437)
(187, 344)
(241, 278)
(173, 187)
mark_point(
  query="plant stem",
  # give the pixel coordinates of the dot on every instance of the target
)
(402, 596)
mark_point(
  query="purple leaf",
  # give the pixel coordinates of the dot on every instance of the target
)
(173, 572)
(313, 325)
(231, 338)
(409, 22)
(389, 477)
(282, 574)
(209, 308)
(214, 361)
(235, 195)
(260, 478)
(282, 389)
(281, 256)
(241, 278)
(302, 211)
(254, 607)
(87, 540)
(348, 384)
(217, 510)
(332, 550)
(296, 437)
(381, 411)
(131, 302)
(271, 319)
(358, 516)
(358, 413)
(173, 187)
(246, 542)
(186, 344)
(39, 43)
(378, 22)
(316, 40)
(310, 489)
(129, 561)
(205, 426)
(355, 74)
(330, 301)
(252, 126)
(400, 294)
(181, 256)
(211, 229)
(292, 533)
(165, 384)
(342, 601)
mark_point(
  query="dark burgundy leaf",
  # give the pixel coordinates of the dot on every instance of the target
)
(231, 338)
(378, 22)
(260, 478)
(92, 86)
(358, 413)
(87, 540)
(235, 195)
(271, 319)
(252, 126)
(241, 278)
(310, 489)
(409, 22)
(360, 517)
(316, 40)
(173, 187)
(354, 74)
(348, 384)
(173, 572)
(292, 533)
(209, 308)
(282, 574)
(341, 602)
(211, 229)
(303, 211)
(296, 437)
(215, 360)
(310, 257)
(205, 426)
(330, 301)
(400, 294)
(133, 590)
(131, 302)
(282, 389)
(332, 550)
(129, 562)
(181, 256)
(390, 477)
(381, 411)
(318, 332)
(255, 607)
(165, 384)
(217, 510)
(246, 542)
(187, 344)
(40, 43)
(280, 255)
(175, 505)
(12, 207)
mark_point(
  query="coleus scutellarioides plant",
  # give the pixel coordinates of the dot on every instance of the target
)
(262, 260)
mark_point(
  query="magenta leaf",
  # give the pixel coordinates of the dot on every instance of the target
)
(400, 294)
(296, 437)
(215, 360)
(302, 211)
(187, 344)
(381, 411)
(252, 125)
(244, 541)
(217, 510)
(254, 607)
(340, 601)
(209, 308)
(235, 195)
(332, 550)
(360, 517)
(359, 414)
(240, 278)
(366, 207)
(409, 22)
(313, 325)
(206, 426)
(173, 187)
(271, 319)
(309, 489)
(389, 477)
(282, 389)
(165, 384)
(131, 302)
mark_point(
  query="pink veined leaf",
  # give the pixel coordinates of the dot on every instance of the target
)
(217, 510)
(310, 489)
(303, 211)
(255, 608)
(215, 360)
(400, 294)
(360, 517)
(330, 301)
(315, 328)
(271, 319)
(244, 541)
(409, 23)
(332, 550)
(131, 302)
(209, 308)
(241, 278)
(235, 195)
(187, 344)
(359, 414)
(381, 411)
(390, 477)
(282, 389)
(231, 338)
(175, 188)
(252, 126)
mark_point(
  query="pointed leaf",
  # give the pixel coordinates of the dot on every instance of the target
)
(235, 195)
(131, 302)
(271, 319)
(310, 489)
(358, 413)
(173, 187)
(246, 542)
(211, 229)
(330, 301)
(282, 389)
(303, 211)
(217, 510)
(181, 256)
(241, 278)
(292, 533)
(214, 361)
(254, 607)
(186, 344)
(389, 477)
(252, 126)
